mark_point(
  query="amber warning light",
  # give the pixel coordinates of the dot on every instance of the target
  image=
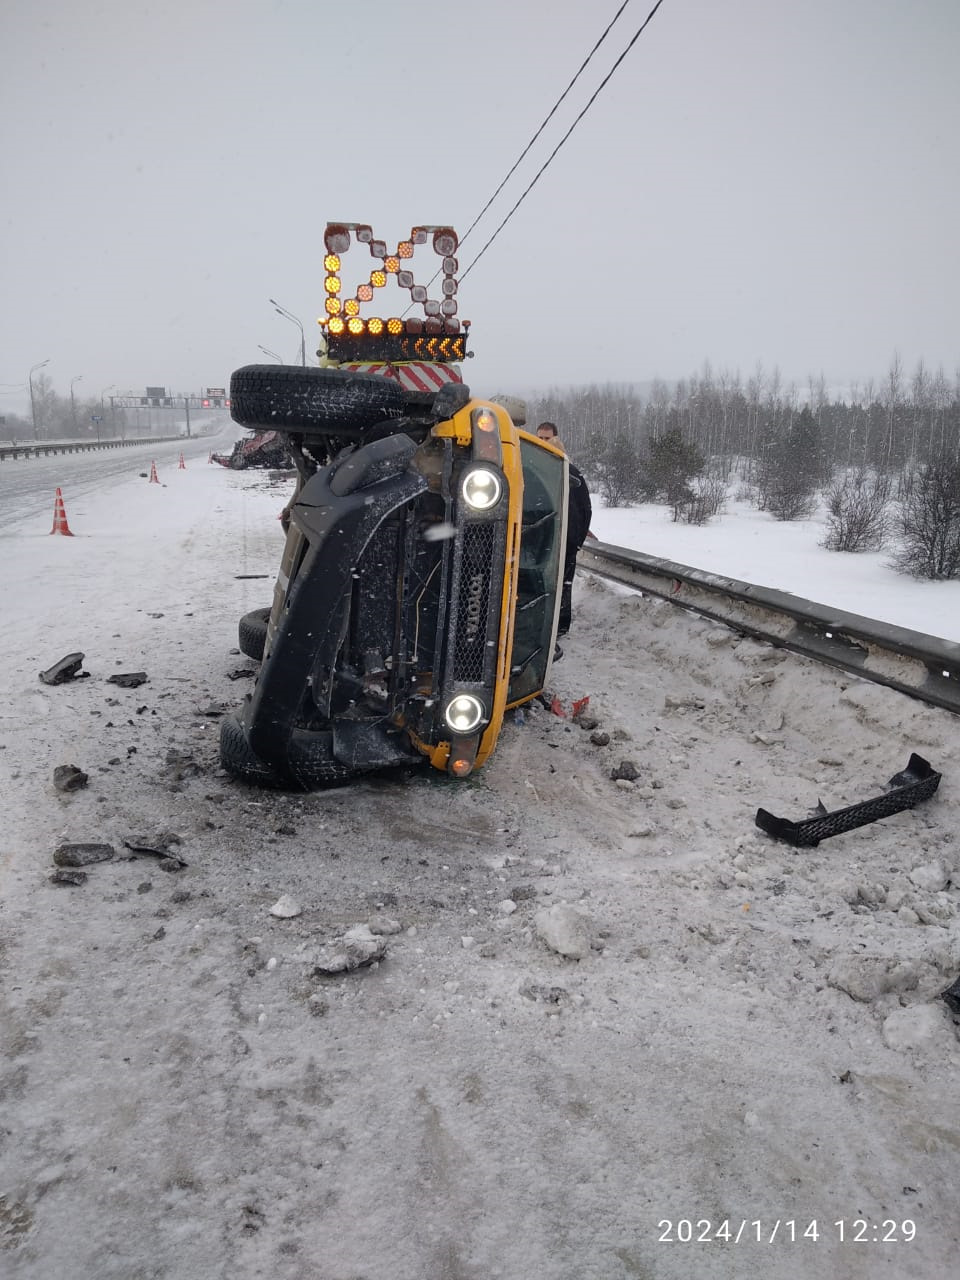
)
(438, 336)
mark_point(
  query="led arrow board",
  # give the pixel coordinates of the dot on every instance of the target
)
(438, 336)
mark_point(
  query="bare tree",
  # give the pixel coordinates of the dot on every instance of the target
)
(892, 399)
(775, 395)
(818, 395)
(920, 398)
(858, 505)
(940, 397)
(659, 403)
(928, 521)
(45, 406)
(869, 396)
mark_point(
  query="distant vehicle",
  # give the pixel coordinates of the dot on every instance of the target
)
(419, 586)
(265, 449)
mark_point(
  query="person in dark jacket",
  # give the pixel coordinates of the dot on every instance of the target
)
(579, 515)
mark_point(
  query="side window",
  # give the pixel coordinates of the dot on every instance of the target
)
(544, 482)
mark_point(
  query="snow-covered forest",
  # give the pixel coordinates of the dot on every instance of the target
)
(883, 422)
(883, 459)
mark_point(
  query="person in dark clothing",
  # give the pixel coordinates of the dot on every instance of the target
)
(579, 515)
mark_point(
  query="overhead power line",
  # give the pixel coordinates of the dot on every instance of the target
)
(546, 120)
(549, 116)
(590, 101)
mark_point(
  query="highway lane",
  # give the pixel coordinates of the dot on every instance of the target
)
(28, 486)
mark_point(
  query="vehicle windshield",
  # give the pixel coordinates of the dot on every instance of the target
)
(544, 483)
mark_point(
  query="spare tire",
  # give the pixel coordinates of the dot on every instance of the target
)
(290, 398)
(253, 633)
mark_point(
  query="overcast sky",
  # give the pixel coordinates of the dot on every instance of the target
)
(761, 180)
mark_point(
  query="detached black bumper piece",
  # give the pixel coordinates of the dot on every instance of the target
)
(917, 782)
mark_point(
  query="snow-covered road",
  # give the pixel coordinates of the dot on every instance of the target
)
(751, 1035)
(27, 483)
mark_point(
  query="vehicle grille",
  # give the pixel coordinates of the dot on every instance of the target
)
(473, 606)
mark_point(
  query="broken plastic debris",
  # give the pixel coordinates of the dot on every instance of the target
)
(148, 851)
(68, 668)
(915, 783)
(128, 679)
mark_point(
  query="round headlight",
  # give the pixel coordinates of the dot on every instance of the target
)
(481, 488)
(463, 713)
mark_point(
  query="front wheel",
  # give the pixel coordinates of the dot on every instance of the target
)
(310, 764)
(240, 760)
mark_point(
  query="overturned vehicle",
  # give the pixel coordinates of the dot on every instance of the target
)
(419, 586)
(265, 449)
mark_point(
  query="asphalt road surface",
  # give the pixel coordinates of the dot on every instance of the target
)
(28, 485)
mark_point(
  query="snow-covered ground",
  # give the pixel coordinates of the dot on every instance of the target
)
(749, 544)
(751, 1037)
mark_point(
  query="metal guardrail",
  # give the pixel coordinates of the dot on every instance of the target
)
(46, 447)
(924, 667)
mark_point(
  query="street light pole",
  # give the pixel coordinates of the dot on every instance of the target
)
(272, 354)
(33, 403)
(73, 403)
(112, 387)
(288, 315)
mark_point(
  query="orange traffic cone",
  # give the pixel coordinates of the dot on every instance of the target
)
(154, 478)
(60, 517)
(181, 465)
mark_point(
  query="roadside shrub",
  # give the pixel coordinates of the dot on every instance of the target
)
(858, 512)
(706, 498)
(928, 522)
(787, 496)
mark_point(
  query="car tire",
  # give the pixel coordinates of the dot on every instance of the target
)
(311, 760)
(241, 761)
(313, 401)
(311, 764)
(253, 633)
